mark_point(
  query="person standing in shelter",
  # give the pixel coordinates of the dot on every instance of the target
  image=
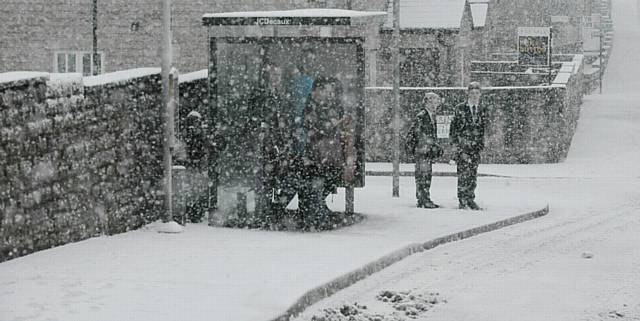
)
(324, 155)
(294, 134)
(422, 143)
(196, 150)
(274, 102)
(302, 86)
(194, 139)
(467, 136)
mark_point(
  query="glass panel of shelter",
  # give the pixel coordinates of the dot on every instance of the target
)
(243, 66)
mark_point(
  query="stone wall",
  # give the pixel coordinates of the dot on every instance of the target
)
(522, 123)
(528, 124)
(77, 161)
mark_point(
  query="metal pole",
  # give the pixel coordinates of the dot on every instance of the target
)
(166, 99)
(601, 62)
(550, 58)
(462, 67)
(350, 200)
(396, 98)
(94, 44)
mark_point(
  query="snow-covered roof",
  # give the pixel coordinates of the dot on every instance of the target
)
(119, 76)
(479, 13)
(21, 75)
(290, 17)
(427, 14)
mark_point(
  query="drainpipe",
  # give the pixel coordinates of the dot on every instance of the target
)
(94, 44)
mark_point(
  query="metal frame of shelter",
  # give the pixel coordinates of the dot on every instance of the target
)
(294, 28)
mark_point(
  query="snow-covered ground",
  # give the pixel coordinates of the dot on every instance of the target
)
(209, 273)
(532, 271)
(580, 262)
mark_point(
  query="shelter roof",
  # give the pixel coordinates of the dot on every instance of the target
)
(318, 17)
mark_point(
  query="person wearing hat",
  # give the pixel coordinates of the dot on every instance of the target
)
(196, 150)
(467, 136)
(194, 139)
(422, 143)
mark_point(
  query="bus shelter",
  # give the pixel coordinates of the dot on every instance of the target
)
(295, 53)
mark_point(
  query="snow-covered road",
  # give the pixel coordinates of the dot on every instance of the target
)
(530, 271)
(581, 262)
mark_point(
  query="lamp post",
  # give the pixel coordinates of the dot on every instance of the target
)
(167, 108)
(601, 34)
(396, 98)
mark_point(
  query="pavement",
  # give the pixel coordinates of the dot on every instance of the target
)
(248, 275)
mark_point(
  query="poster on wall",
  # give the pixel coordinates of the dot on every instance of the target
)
(534, 45)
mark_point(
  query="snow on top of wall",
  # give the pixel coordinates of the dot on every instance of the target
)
(119, 76)
(21, 75)
(296, 13)
(562, 78)
(578, 62)
(382, 88)
(196, 75)
(426, 14)
(479, 13)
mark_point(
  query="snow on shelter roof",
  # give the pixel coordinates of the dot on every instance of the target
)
(427, 14)
(319, 17)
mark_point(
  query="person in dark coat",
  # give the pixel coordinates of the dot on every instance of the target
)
(274, 103)
(196, 150)
(467, 136)
(292, 134)
(316, 157)
(422, 143)
(194, 139)
(322, 152)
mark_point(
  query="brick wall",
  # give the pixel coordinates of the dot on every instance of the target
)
(77, 161)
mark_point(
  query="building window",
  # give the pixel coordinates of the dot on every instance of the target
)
(78, 62)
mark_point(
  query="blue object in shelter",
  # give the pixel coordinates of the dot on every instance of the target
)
(302, 85)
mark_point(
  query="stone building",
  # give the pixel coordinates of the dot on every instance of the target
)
(435, 37)
(56, 35)
(565, 16)
(438, 37)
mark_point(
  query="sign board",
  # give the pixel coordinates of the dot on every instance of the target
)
(443, 124)
(534, 45)
(590, 34)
